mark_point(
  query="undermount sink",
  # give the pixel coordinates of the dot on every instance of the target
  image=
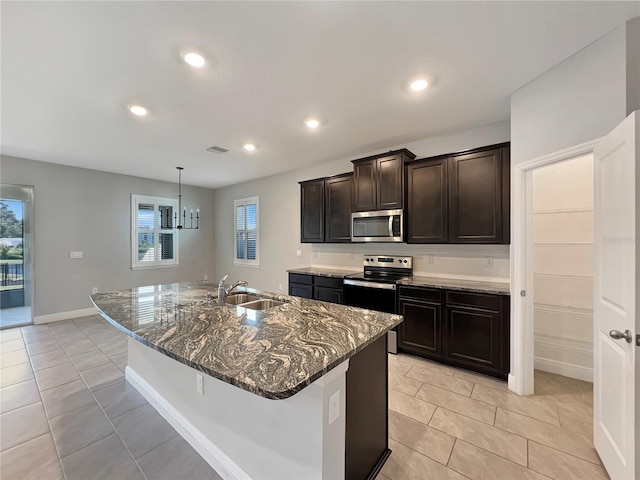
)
(238, 298)
(262, 304)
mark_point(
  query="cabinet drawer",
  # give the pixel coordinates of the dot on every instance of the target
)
(481, 300)
(429, 294)
(330, 282)
(297, 278)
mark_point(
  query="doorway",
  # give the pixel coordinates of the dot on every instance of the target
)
(562, 278)
(561, 244)
(16, 255)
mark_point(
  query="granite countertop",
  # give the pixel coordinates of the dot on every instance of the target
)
(498, 288)
(325, 272)
(273, 353)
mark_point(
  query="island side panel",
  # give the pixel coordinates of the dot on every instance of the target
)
(241, 434)
(367, 429)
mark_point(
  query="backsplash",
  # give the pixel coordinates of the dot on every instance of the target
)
(449, 261)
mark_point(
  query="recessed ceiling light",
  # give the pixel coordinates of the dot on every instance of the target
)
(193, 59)
(249, 147)
(419, 85)
(312, 122)
(138, 110)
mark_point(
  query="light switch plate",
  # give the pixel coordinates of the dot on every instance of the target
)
(75, 254)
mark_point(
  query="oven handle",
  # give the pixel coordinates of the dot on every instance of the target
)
(360, 283)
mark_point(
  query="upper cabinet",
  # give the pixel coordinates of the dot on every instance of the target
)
(325, 209)
(460, 198)
(338, 195)
(427, 201)
(379, 181)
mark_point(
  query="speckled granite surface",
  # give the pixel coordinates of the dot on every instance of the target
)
(273, 353)
(457, 284)
(325, 272)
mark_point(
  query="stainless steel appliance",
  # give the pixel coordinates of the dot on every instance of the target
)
(378, 226)
(375, 287)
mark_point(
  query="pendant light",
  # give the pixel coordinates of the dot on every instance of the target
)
(180, 222)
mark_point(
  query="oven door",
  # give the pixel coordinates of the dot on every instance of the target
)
(373, 296)
(380, 226)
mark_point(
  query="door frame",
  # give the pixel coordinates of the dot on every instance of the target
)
(522, 333)
(26, 194)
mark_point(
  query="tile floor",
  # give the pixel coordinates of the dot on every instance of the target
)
(446, 423)
(66, 412)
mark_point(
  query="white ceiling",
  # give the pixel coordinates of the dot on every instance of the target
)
(69, 70)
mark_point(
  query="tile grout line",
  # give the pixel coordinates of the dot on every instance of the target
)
(108, 419)
(53, 439)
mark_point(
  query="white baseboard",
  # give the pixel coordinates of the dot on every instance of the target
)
(564, 369)
(221, 463)
(57, 317)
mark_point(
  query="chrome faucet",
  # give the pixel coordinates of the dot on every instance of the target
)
(224, 292)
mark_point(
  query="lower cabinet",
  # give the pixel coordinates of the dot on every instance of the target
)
(464, 329)
(325, 289)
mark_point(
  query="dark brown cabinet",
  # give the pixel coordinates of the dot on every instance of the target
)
(337, 219)
(421, 331)
(464, 329)
(325, 289)
(325, 209)
(312, 211)
(427, 201)
(462, 198)
(379, 181)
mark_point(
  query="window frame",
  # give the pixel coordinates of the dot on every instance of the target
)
(246, 262)
(136, 200)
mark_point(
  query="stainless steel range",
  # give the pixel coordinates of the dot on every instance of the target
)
(375, 287)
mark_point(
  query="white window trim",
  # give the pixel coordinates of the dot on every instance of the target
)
(240, 262)
(135, 263)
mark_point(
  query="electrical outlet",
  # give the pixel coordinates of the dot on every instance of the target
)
(430, 259)
(315, 254)
(488, 261)
(199, 384)
(298, 253)
(94, 290)
(206, 277)
(279, 286)
(334, 407)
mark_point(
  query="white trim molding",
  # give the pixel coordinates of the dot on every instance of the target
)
(221, 463)
(58, 317)
(522, 337)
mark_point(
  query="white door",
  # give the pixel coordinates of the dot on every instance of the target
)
(616, 423)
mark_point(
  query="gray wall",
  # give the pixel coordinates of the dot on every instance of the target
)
(580, 99)
(88, 210)
(280, 213)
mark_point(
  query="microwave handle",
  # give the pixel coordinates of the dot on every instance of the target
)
(390, 226)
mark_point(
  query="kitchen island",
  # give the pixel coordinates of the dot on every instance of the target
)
(297, 390)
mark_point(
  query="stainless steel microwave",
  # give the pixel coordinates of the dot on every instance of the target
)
(379, 226)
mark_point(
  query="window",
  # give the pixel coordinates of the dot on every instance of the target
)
(154, 242)
(246, 251)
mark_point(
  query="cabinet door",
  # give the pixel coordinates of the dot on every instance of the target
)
(338, 208)
(389, 182)
(300, 290)
(364, 185)
(475, 198)
(312, 211)
(325, 294)
(474, 339)
(421, 331)
(427, 201)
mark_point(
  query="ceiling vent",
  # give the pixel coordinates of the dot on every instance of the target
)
(217, 149)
